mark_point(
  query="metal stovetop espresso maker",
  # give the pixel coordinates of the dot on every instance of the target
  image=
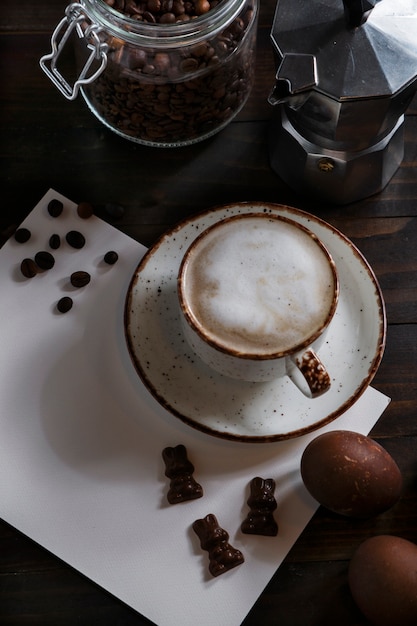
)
(346, 73)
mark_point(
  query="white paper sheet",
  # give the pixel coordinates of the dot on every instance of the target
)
(81, 442)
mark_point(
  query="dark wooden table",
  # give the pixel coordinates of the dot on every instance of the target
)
(46, 142)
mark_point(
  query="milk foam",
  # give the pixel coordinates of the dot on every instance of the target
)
(260, 285)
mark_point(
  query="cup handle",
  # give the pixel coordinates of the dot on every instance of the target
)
(309, 374)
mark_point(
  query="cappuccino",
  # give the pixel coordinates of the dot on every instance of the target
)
(258, 285)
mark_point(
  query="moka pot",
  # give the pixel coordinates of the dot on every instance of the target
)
(346, 74)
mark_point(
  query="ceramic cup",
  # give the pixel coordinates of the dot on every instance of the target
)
(257, 293)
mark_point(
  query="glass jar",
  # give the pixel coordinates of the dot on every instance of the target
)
(157, 83)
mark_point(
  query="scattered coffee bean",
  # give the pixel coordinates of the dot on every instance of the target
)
(54, 241)
(80, 279)
(111, 257)
(114, 210)
(29, 268)
(85, 210)
(44, 260)
(64, 304)
(55, 207)
(22, 235)
(75, 239)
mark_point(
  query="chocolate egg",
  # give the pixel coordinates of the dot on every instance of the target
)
(350, 474)
(383, 580)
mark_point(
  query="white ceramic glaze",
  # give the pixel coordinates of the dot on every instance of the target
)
(237, 410)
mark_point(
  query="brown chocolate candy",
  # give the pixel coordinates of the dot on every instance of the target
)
(262, 503)
(179, 469)
(222, 556)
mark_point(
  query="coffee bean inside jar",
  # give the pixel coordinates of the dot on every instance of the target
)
(176, 71)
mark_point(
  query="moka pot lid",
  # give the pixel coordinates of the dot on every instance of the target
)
(346, 49)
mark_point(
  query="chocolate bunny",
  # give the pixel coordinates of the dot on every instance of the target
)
(214, 539)
(179, 469)
(262, 503)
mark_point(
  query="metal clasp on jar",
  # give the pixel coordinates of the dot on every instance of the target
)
(75, 15)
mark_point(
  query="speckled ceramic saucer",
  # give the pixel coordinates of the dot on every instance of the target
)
(252, 412)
